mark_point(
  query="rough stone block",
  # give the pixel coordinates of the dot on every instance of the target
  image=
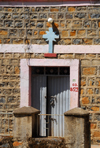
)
(52, 15)
(87, 41)
(97, 41)
(95, 62)
(6, 91)
(82, 91)
(45, 9)
(80, 15)
(81, 8)
(94, 24)
(91, 33)
(32, 9)
(54, 9)
(17, 41)
(66, 56)
(89, 71)
(85, 100)
(19, 9)
(98, 81)
(11, 99)
(76, 41)
(96, 90)
(29, 33)
(2, 99)
(9, 69)
(26, 23)
(40, 25)
(96, 133)
(3, 33)
(71, 9)
(22, 33)
(94, 15)
(60, 16)
(76, 24)
(2, 70)
(63, 8)
(26, 9)
(9, 23)
(13, 33)
(64, 33)
(34, 15)
(1, 23)
(5, 61)
(98, 100)
(42, 32)
(6, 41)
(67, 42)
(81, 33)
(69, 16)
(86, 24)
(85, 62)
(25, 16)
(97, 117)
(42, 16)
(89, 91)
(72, 33)
(91, 81)
(16, 69)
(95, 108)
(15, 16)
(18, 24)
(9, 9)
(62, 24)
(90, 55)
(38, 9)
(79, 56)
(83, 81)
(93, 126)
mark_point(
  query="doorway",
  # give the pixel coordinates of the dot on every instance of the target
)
(50, 93)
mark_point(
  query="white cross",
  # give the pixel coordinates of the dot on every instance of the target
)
(50, 36)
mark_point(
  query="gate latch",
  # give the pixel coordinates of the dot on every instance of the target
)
(53, 119)
(52, 100)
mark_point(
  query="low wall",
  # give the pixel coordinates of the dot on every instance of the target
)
(8, 142)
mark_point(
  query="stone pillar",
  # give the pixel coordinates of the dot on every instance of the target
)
(77, 128)
(26, 122)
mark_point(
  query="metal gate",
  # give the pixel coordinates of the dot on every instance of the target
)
(50, 94)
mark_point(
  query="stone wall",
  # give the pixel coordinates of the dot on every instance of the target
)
(76, 25)
(89, 84)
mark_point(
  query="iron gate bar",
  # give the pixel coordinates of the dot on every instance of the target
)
(51, 114)
(48, 115)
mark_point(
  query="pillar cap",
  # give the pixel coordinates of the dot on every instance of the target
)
(26, 110)
(76, 112)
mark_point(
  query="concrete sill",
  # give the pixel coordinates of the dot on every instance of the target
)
(95, 146)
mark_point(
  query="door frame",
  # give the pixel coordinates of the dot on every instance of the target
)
(25, 78)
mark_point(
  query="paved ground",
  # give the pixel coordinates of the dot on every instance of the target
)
(95, 146)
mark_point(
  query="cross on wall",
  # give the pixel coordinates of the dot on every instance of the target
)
(50, 36)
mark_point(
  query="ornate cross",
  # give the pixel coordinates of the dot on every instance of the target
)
(50, 36)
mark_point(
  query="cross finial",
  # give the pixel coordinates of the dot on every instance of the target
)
(50, 36)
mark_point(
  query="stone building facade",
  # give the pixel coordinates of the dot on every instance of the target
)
(78, 26)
